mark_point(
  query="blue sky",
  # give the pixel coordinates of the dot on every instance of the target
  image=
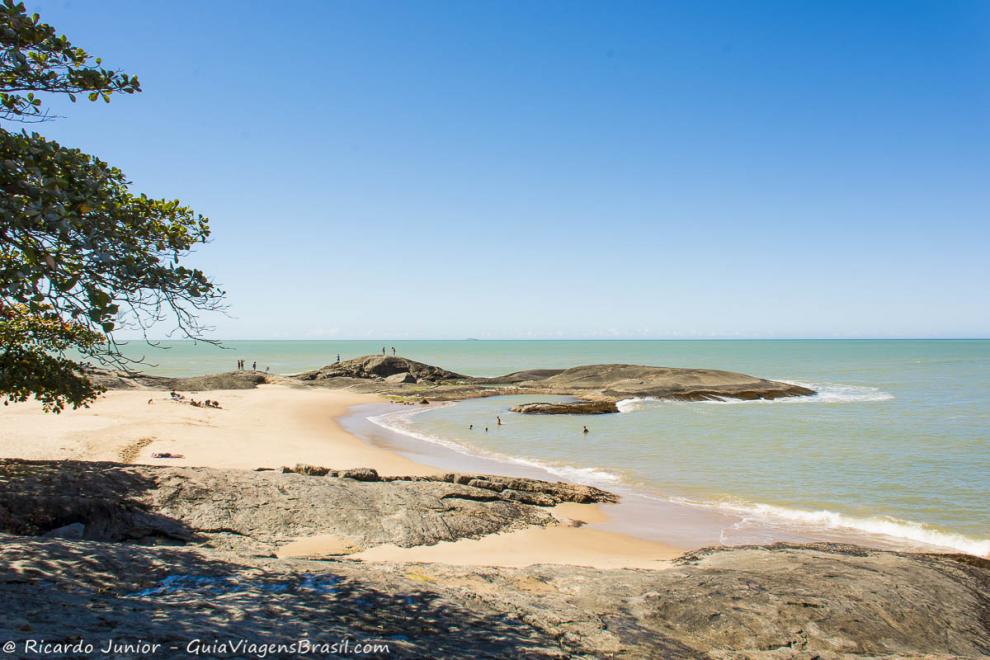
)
(562, 169)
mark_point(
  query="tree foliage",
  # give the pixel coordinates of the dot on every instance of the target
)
(35, 58)
(80, 255)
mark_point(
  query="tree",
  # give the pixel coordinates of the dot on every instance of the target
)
(80, 255)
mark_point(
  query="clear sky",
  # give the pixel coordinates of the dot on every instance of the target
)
(562, 169)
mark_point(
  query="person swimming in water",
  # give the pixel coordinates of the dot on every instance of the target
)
(499, 420)
(585, 430)
(470, 427)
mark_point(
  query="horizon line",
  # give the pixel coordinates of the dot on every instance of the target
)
(489, 339)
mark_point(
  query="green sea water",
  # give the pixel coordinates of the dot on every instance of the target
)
(896, 443)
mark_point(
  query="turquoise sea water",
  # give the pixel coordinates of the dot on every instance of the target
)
(896, 444)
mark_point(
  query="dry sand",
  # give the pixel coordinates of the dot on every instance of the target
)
(270, 426)
(567, 544)
(276, 425)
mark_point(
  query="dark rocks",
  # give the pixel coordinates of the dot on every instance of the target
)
(784, 600)
(781, 601)
(72, 532)
(381, 366)
(263, 510)
(568, 408)
(360, 474)
(123, 380)
(528, 491)
(620, 381)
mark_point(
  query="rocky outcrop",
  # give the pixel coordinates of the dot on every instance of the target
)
(62, 579)
(264, 509)
(756, 602)
(391, 374)
(603, 383)
(519, 489)
(380, 367)
(124, 380)
(622, 381)
(567, 408)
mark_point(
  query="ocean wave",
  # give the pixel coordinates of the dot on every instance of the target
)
(824, 393)
(895, 529)
(398, 422)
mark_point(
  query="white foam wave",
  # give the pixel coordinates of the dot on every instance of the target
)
(398, 422)
(898, 531)
(824, 393)
(895, 529)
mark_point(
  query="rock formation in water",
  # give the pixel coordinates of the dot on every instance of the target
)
(623, 381)
(567, 408)
(403, 377)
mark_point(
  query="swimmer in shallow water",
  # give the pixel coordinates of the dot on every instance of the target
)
(585, 430)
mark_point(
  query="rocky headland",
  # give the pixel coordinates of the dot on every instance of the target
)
(104, 550)
(410, 381)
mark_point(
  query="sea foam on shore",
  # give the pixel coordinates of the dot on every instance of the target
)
(741, 519)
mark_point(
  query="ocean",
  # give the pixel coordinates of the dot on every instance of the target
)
(894, 449)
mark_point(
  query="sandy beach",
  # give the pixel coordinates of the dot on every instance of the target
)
(277, 425)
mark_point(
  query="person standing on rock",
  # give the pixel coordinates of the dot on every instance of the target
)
(383, 350)
(393, 351)
(254, 366)
(338, 358)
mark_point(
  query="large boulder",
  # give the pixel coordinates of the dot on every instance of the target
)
(398, 379)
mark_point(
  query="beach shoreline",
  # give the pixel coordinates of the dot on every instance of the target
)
(273, 426)
(655, 516)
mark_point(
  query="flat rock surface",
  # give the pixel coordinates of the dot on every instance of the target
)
(619, 381)
(265, 509)
(778, 601)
